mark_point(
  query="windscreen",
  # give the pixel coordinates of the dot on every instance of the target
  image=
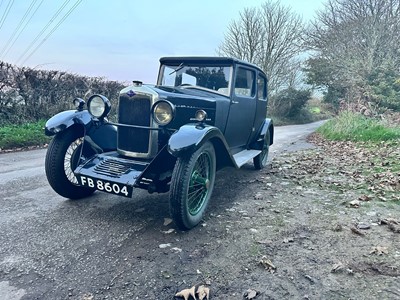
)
(214, 78)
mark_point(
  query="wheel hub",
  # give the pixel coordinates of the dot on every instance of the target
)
(197, 178)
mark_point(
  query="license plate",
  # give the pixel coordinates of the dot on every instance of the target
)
(106, 186)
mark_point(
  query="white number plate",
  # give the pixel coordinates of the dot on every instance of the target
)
(106, 186)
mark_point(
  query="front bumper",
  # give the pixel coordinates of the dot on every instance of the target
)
(108, 172)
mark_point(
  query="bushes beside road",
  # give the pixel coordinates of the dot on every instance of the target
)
(29, 95)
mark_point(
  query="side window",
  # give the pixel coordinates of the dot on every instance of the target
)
(244, 83)
(262, 87)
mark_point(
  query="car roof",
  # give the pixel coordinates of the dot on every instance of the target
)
(206, 59)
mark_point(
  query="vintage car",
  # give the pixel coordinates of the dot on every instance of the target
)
(205, 113)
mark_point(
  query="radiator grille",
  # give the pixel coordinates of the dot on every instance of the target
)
(134, 111)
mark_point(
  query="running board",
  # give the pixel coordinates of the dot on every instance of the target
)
(244, 156)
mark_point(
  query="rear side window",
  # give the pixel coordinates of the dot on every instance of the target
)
(244, 83)
(262, 87)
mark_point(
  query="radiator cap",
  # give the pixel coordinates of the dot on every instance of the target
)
(137, 83)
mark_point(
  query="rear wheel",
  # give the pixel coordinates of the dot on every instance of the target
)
(191, 186)
(62, 157)
(260, 161)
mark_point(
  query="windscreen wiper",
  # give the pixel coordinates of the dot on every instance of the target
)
(177, 69)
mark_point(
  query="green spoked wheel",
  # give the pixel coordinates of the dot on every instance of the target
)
(260, 161)
(191, 186)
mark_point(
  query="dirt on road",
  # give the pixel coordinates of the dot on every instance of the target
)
(315, 224)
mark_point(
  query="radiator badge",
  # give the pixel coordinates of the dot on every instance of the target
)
(131, 93)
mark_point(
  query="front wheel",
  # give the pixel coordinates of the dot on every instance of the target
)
(260, 161)
(62, 157)
(191, 186)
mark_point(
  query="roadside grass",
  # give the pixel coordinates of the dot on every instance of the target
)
(19, 136)
(366, 151)
(349, 126)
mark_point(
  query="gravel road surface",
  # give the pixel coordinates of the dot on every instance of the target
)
(105, 246)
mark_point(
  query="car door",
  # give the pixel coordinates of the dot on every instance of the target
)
(242, 108)
(261, 105)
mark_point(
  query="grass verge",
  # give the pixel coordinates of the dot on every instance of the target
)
(19, 136)
(349, 126)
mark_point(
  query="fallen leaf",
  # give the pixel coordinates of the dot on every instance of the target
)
(267, 264)
(394, 228)
(167, 221)
(337, 267)
(265, 242)
(250, 294)
(379, 250)
(168, 231)
(388, 221)
(176, 249)
(87, 297)
(356, 231)
(363, 226)
(203, 292)
(186, 293)
(288, 240)
(312, 280)
(365, 198)
(163, 246)
(354, 204)
(350, 271)
(166, 274)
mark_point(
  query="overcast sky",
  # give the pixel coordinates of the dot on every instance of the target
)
(121, 39)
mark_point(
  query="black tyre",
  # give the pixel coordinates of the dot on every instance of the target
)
(62, 157)
(260, 161)
(191, 186)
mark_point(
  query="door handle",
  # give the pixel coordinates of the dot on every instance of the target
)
(235, 102)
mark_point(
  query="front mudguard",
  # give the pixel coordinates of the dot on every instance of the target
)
(66, 119)
(191, 137)
(100, 134)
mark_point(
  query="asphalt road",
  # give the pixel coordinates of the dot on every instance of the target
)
(53, 248)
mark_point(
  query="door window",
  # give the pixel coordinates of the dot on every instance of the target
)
(262, 87)
(244, 83)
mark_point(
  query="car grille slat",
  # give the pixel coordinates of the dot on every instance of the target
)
(113, 168)
(134, 111)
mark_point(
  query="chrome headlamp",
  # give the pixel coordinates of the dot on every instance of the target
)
(163, 112)
(201, 115)
(99, 106)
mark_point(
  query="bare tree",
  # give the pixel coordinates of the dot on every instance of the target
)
(352, 39)
(244, 37)
(269, 36)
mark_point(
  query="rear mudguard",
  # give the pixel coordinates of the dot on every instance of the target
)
(259, 142)
(268, 125)
(191, 137)
(100, 134)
